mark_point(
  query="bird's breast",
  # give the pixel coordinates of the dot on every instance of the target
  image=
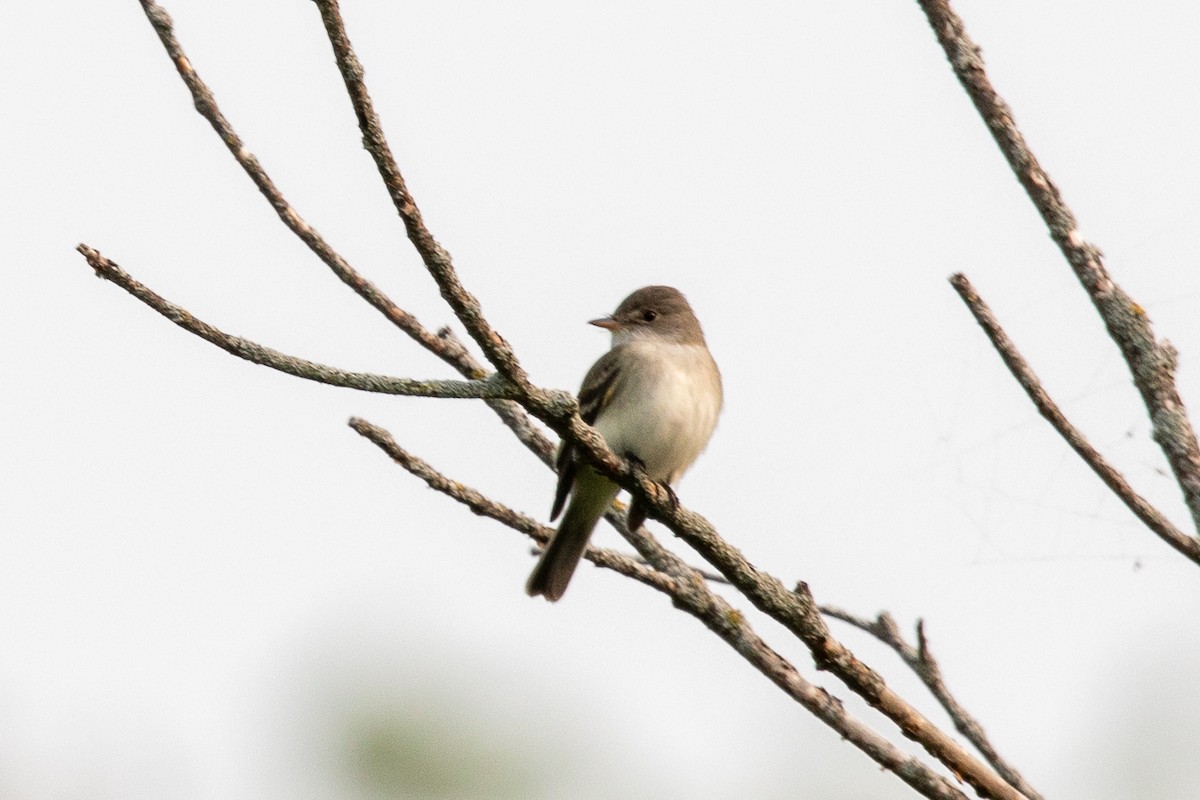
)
(665, 408)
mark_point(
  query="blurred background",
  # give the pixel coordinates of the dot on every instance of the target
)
(210, 587)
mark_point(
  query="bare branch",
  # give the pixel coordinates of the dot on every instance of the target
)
(712, 610)
(515, 418)
(708, 575)
(206, 104)
(796, 610)
(436, 259)
(1152, 363)
(921, 661)
(835, 657)
(493, 388)
(1114, 480)
(484, 506)
(445, 347)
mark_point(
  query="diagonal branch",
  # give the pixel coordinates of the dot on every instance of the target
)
(206, 103)
(710, 609)
(437, 260)
(515, 418)
(445, 347)
(558, 409)
(494, 387)
(482, 505)
(1151, 362)
(796, 610)
(1114, 480)
(922, 662)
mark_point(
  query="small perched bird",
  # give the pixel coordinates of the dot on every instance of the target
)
(655, 397)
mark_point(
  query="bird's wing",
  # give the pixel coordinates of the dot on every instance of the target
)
(598, 387)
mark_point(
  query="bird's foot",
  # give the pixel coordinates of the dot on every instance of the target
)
(672, 498)
(637, 514)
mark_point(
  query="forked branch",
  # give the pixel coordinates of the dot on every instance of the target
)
(920, 660)
(494, 388)
(795, 609)
(437, 260)
(1150, 516)
(445, 347)
(689, 593)
(1150, 362)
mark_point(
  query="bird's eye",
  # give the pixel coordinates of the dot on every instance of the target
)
(649, 315)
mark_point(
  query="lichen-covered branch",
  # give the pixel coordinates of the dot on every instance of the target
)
(1151, 362)
(921, 661)
(446, 347)
(690, 594)
(206, 105)
(494, 387)
(437, 260)
(1150, 516)
(484, 506)
(796, 610)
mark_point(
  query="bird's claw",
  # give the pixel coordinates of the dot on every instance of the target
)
(672, 498)
(636, 514)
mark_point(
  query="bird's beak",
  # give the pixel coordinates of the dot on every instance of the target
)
(608, 323)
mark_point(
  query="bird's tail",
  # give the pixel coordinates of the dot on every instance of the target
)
(589, 501)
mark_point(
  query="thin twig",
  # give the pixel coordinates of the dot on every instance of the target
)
(515, 418)
(444, 345)
(206, 104)
(921, 661)
(1114, 480)
(493, 388)
(437, 260)
(484, 506)
(447, 348)
(1152, 363)
(705, 574)
(712, 610)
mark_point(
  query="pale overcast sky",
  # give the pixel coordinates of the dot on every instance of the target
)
(211, 588)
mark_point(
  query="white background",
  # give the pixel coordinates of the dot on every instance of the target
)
(211, 588)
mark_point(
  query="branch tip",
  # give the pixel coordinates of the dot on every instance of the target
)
(1150, 516)
(1133, 335)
